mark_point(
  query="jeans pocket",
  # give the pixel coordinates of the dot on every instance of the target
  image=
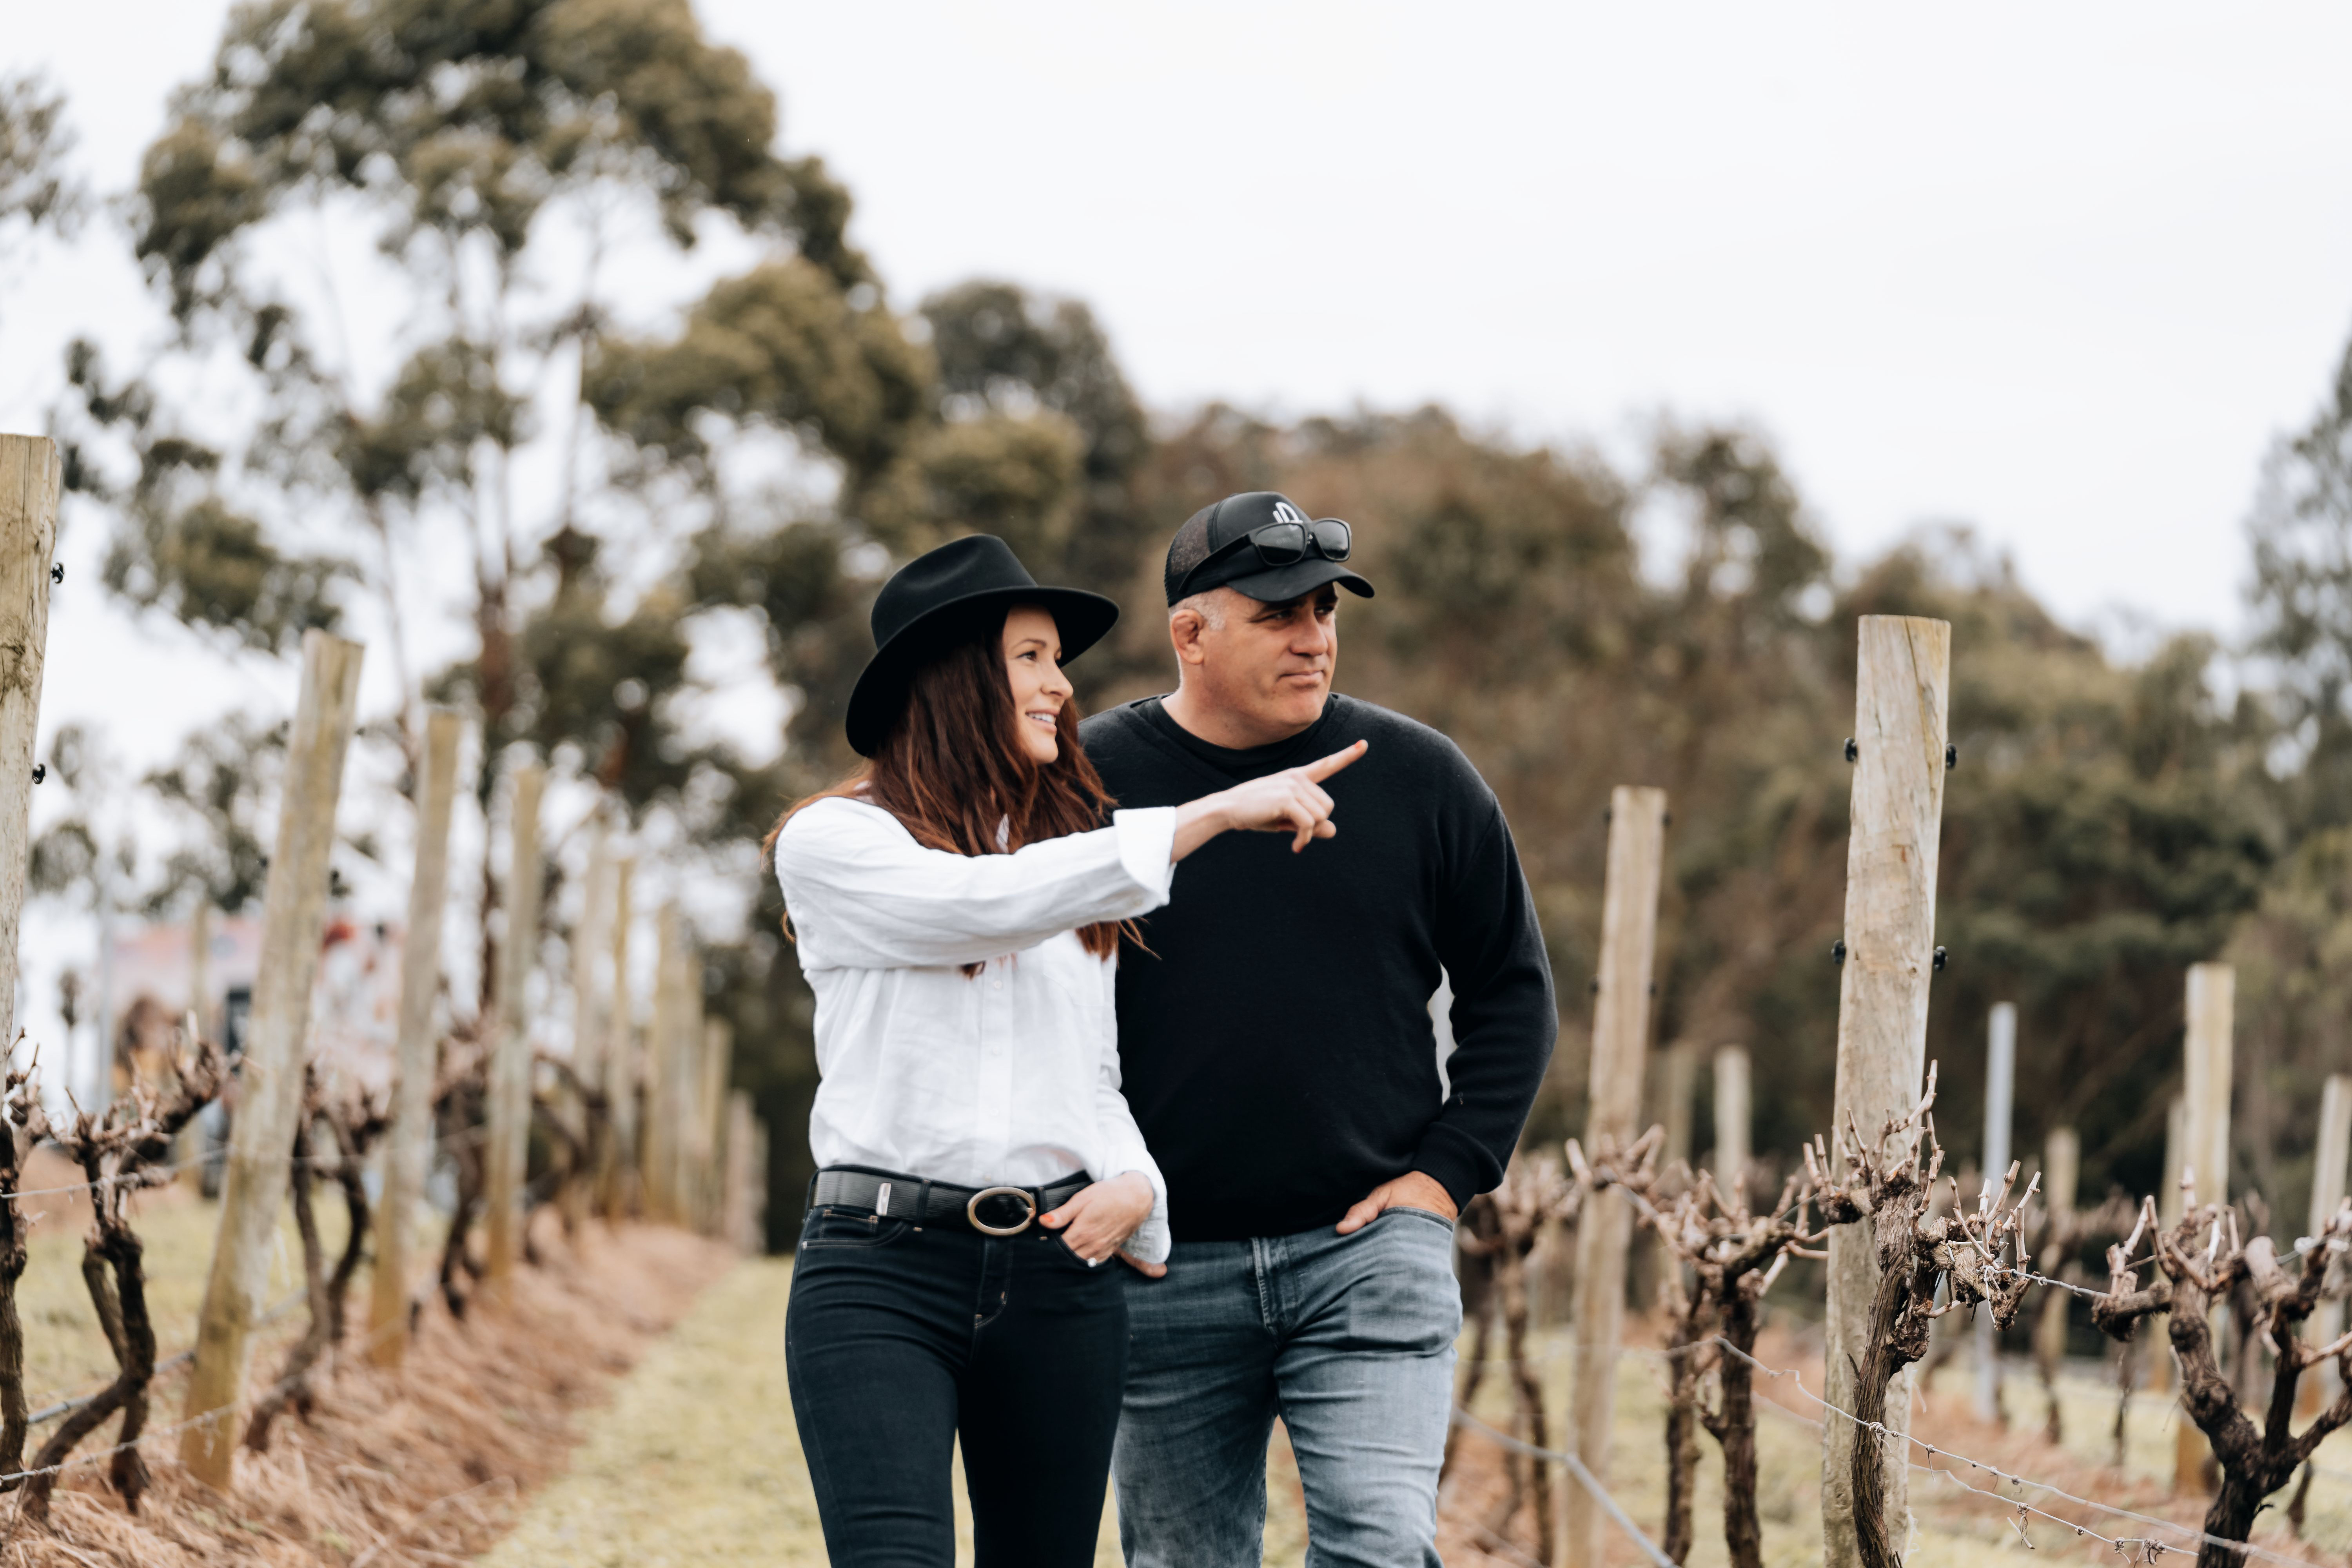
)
(1431, 1216)
(827, 1227)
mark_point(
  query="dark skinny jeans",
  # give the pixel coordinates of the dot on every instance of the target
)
(899, 1339)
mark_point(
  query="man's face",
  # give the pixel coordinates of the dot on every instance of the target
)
(1270, 666)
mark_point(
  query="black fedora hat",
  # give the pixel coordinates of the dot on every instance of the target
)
(933, 600)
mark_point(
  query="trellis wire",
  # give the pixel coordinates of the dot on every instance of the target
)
(1584, 1478)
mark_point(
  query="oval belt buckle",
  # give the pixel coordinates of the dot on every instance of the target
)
(971, 1210)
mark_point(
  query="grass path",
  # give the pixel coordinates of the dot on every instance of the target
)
(697, 1462)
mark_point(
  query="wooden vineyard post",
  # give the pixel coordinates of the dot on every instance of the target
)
(1677, 1089)
(2062, 1169)
(510, 1063)
(293, 911)
(2205, 1151)
(1677, 1092)
(682, 1058)
(661, 1139)
(1901, 690)
(588, 1020)
(1732, 1117)
(735, 1209)
(409, 1146)
(1621, 1028)
(710, 1118)
(2327, 1170)
(2001, 1079)
(619, 1159)
(31, 475)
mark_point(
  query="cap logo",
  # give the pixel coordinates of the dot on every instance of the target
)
(1285, 513)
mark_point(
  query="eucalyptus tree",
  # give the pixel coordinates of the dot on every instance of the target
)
(39, 190)
(2300, 599)
(398, 241)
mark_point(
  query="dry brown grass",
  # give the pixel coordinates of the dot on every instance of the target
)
(423, 1466)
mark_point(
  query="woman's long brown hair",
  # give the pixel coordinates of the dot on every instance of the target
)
(952, 768)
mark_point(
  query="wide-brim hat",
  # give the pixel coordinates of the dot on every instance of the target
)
(940, 598)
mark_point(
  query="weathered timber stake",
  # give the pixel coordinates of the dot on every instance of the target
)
(661, 1121)
(735, 1209)
(1620, 1030)
(1678, 1090)
(2061, 1166)
(616, 1173)
(588, 1031)
(1731, 1119)
(2326, 1195)
(682, 1060)
(717, 1064)
(1677, 1105)
(2205, 1151)
(1901, 691)
(2000, 1078)
(293, 910)
(509, 1135)
(410, 1144)
(30, 476)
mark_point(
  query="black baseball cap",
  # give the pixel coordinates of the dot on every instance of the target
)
(1209, 551)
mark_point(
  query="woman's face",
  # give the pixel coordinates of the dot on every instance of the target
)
(1033, 653)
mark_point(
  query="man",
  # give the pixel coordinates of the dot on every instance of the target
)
(1278, 1048)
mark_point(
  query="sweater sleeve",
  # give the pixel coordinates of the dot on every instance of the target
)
(1504, 1016)
(1124, 1151)
(862, 894)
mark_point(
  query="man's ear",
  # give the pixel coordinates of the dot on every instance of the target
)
(1184, 629)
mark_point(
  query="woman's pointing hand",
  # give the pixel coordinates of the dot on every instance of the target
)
(1291, 801)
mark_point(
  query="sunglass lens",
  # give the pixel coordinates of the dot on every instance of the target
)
(1331, 537)
(1280, 543)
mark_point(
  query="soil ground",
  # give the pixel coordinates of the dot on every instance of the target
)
(424, 1465)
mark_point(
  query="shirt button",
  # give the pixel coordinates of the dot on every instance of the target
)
(996, 985)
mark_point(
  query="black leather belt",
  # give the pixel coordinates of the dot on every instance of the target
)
(992, 1211)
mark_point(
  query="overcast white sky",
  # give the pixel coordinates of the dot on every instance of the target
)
(2061, 273)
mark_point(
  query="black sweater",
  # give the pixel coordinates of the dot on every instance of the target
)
(1275, 1039)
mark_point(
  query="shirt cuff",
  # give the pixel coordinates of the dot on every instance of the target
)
(1147, 838)
(1153, 1239)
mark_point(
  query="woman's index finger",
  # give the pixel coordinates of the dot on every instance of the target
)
(1319, 772)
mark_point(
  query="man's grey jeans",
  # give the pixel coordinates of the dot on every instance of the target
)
(1350, 1339)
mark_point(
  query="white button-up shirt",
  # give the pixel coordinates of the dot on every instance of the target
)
(1007, 1076)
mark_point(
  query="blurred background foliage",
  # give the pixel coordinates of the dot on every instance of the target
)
(766, 457)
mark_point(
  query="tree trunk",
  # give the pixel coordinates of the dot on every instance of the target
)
(2232, 1518)
(129, 1468)
(1892, 1344)
(293, 1384)
(1743, 1531)
(1682, 1431)
(1530, 1397)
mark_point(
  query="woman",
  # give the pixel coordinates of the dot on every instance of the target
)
(958, 907)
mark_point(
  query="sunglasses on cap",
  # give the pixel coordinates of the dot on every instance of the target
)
(1286, 543)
